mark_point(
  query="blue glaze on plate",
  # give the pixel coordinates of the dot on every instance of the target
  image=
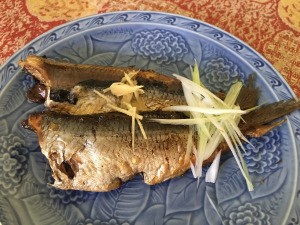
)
(168, 44)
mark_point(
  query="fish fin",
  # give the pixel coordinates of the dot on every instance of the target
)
(249, 94)
(262, 130)
(268, 113)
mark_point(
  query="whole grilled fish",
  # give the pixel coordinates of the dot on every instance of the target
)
(69, 88)
(94, 153)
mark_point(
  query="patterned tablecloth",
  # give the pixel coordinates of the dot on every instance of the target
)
(272, 27)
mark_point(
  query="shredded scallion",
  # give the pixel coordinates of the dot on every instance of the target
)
(215, 121)
(125, 89)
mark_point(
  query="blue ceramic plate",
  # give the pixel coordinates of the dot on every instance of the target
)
(166, 43)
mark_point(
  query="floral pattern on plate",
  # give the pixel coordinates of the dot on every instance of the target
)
(220, 73)
(248, 214)
(159, 45)
(264, 155)
(13, 163)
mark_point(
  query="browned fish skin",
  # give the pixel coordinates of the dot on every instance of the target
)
(63, 75)
(269, 112)
(95, 153)
(154, 98)
(88, 102)
(249, 94)
(80, 81)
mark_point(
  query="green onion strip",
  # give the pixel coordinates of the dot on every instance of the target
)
(213, 120)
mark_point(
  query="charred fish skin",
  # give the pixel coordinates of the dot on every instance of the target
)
(249, 94)
(95, 153)
(267, 113)
(70, 87)
(88, 102)
(63, 75)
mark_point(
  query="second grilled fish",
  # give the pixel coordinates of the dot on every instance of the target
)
(69, 88)
(94, 153)
(86, 101)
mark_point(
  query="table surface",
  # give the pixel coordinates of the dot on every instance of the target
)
(271, 27)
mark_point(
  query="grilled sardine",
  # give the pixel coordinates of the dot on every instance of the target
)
(69, 88)
(94, 153)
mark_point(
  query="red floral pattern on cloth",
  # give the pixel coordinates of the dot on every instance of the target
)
(272, 27)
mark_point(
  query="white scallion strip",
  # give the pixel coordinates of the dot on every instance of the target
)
(243, 164)
(192, 121)
(194, 168)
(192, 100)
(237, 158)
(233, 94)
(128, 79)
(214, 120)
(199, 89)
(196, 75)
(212, 173)
(238, 131)
(124, 111)
(213, 143)
(203, 128)
(142, 128)
(133, 110)
(211, 111)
